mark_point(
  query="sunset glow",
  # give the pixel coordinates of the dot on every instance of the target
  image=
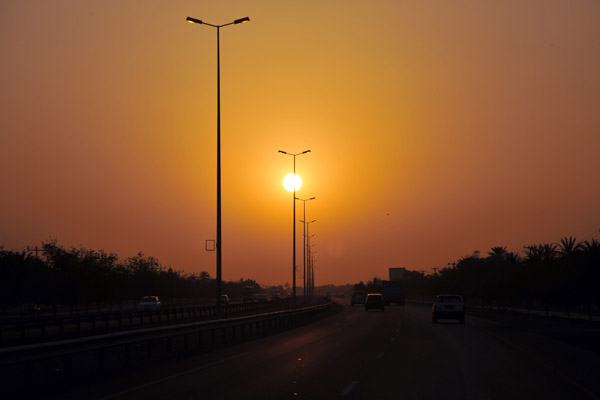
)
(292, 182)
(436, 129)
(437, 234)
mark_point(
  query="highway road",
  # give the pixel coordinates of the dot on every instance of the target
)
(396, 354)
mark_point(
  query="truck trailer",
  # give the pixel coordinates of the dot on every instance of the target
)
(393, 293)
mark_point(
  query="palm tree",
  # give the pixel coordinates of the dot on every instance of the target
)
(532, 254)
(540, 253)
(548, 251)
(569, 246)
(591, 247)
(498, 253)
(513, 257)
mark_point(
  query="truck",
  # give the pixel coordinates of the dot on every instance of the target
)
(359, 294)
(358, 297)
(393, 292)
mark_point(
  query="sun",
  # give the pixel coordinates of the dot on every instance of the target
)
(290, 181)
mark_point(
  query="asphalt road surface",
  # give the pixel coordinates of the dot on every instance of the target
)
(396, 354)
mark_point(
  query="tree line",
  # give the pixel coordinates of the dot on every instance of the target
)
(564, 274)
(78, 276)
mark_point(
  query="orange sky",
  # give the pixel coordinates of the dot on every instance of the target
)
(437, 128)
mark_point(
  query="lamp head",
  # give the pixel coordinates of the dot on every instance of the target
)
(193, 20)
(241, 20)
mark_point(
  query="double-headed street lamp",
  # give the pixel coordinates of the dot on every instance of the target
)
(218, 241)
(304, 236)
(294, 224)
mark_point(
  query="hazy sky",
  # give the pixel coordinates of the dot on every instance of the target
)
(436, 127)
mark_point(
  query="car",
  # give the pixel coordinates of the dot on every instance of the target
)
(224, 300)
(358, 297)
(149, 303)
(275, 296)
(448, 306)
(375, 300)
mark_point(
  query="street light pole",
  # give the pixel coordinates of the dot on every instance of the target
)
(294, 226)
(308, 270)
(218, 241)
(304, 241)
(312, 268)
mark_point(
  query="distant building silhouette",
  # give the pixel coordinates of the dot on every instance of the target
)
(396, 274)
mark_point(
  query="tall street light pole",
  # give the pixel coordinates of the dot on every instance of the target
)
(304, 246)
(294, 226)
(308, 270)
(218, 241)
(312, 268)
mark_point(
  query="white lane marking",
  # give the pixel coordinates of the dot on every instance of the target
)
(349, 388)
(190, 371)
(379, 356)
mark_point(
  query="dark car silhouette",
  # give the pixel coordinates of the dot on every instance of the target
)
(375, 300)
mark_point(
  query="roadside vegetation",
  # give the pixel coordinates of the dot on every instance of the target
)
(79, 276)
(556, 275)
(564, 274)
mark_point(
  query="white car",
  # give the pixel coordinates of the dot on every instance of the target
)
(149, 303)
(448, 306)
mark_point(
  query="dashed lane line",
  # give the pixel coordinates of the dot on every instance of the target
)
(349, 388)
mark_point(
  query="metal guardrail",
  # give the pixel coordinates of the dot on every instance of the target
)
(22, 366)
(564, 313)
(19, 330)
(548, 312)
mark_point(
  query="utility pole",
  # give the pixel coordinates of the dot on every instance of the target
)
(35, 249)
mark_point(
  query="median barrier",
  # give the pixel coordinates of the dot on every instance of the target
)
(57, 362)
(18, 330)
